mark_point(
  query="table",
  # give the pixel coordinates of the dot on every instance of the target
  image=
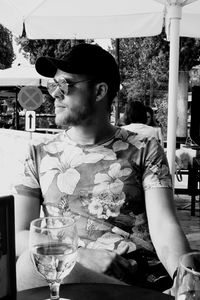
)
(192, 189)
(95, 291)
(48, 130)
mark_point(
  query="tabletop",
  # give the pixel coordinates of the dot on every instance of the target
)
(97, 291)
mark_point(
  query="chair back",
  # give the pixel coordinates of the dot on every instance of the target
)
(7, 249)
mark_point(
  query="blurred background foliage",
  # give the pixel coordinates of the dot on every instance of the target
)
(7, 55)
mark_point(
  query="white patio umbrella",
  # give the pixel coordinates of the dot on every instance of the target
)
(21, 76)
(78, 19)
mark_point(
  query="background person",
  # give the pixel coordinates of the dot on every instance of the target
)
(152, 122)
(151, 117)
(135, 119)
(116, 184)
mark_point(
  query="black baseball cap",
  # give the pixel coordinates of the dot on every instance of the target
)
(87, 59)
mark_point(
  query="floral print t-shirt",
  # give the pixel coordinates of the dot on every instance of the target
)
(102, 186)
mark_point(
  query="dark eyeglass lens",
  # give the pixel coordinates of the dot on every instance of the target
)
(62, 84)
(52, 86)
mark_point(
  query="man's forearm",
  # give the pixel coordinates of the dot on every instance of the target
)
(170, 246)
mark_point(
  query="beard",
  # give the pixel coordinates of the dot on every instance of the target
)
(75, 116)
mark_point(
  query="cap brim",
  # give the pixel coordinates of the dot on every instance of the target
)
(47, 66)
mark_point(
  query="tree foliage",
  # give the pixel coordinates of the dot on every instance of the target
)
(7, 55)
(32, 49)
(144, 67)
(144, 64)
(189, 53)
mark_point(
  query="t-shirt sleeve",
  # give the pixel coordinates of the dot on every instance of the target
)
(156, 171)
(27, 181)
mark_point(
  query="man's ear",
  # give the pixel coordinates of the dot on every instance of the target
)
(101, 91)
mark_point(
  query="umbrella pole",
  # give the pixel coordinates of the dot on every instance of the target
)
(16, 111)
(117, 112)
(175, 16)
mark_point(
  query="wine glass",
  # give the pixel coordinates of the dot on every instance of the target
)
(188, 277)
(53, 248)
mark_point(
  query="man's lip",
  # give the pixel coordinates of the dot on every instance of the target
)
(59, 106)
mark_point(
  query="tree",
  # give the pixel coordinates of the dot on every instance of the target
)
(189, 57)
(7, 55)
(32, 49)
(144, 65)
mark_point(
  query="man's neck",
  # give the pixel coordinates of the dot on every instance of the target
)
(91, 135)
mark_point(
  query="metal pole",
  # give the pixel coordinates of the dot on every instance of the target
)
(117, 112)
(16, 111)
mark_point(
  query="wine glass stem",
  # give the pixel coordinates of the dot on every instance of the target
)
(54, 291)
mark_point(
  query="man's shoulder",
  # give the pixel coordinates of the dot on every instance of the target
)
(39, 142)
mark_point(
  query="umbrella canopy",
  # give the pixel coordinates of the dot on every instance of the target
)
(21, 76)
(78, 19)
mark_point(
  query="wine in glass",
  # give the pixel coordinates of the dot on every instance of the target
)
(188, 277)
(53, 248)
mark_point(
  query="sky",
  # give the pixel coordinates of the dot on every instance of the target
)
(19, 57)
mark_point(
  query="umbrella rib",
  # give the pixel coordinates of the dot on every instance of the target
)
(12, 3)
(34, 9)
(186, 2)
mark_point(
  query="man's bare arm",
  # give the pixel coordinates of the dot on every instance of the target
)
(26, 209)
(165, 230)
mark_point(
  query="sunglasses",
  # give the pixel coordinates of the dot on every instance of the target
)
(62, 84)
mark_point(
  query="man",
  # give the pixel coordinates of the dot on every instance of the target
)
(117, 183)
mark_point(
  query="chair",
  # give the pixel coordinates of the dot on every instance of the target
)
(195, 184)
(7, 248)
(193, 180)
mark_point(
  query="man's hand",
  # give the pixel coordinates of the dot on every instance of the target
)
(104, 261)
(95, 259)
(172, 290)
